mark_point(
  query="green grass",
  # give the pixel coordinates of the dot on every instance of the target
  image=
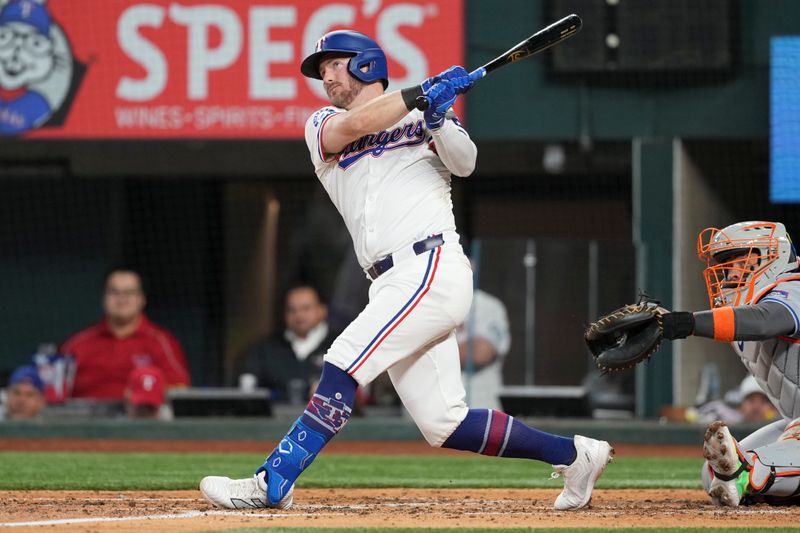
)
(150, 471)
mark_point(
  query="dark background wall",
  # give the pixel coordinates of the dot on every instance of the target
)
(68, 209)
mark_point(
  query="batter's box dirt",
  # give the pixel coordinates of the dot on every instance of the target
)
(454, 508)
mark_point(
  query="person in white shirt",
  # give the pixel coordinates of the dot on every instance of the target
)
(483, 342)
(387, 168)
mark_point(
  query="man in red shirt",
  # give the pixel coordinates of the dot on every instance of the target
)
(107, 352)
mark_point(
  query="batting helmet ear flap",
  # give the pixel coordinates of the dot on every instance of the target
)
(364, 51)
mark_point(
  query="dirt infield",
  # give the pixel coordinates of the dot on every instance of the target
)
(150, 511)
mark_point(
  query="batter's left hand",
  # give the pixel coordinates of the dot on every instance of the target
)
(442, 96)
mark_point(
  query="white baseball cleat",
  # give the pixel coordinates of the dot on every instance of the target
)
(721, 452)
(581, 476)
(250, 493)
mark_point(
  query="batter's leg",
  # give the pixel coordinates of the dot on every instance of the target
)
(429, 385)
(273, 483)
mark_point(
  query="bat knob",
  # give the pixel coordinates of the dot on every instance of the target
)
(423, 103)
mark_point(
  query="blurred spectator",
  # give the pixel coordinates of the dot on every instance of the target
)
(24, 394)
(483, 342)
(745, 404)
(125, 339)
(144, 394)
(57, 372)
(290, 362)
(754, 405)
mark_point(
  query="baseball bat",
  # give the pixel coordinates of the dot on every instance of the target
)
(539, 41)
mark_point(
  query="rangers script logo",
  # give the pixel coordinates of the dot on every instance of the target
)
(410, 134)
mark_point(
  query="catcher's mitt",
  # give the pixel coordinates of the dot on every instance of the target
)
(626, 337)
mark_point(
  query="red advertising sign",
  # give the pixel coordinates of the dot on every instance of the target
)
(195, 68)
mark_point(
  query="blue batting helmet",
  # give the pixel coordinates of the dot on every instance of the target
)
(365, 52)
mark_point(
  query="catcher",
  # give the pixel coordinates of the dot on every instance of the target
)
(753, 280)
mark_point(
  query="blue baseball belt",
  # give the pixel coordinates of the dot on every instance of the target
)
(419, 247)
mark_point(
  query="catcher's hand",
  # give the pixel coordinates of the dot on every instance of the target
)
(626, 337)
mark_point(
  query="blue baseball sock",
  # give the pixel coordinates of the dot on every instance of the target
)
(491, 432)
(326, 413)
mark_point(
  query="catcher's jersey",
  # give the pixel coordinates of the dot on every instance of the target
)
(390, 187)
(775, 363)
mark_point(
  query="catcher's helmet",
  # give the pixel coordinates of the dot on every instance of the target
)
(365, 52)
(743, 260)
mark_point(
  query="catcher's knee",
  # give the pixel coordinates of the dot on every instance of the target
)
(436, 427)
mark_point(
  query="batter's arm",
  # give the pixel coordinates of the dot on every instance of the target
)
(378, 114)
(762, 321)
(455, 148)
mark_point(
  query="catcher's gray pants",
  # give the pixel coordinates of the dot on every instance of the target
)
(773, 453)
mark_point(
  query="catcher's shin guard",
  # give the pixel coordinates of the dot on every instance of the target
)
(288, 460)
(776, 466)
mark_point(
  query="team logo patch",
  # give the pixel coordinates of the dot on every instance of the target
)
(38, 74)
(320, 115)
(780, 293)
(376, 144)
(329, 411)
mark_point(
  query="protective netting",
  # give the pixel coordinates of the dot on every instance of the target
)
(221, 229)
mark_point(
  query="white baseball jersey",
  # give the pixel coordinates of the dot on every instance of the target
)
(391, 187)
(775, 363)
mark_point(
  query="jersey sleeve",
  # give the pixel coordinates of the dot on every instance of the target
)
(787, 294)
(454, 147)
(314, 128)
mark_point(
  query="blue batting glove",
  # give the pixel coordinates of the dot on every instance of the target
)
(433, 120)
(458, 76)
(442, 96)
(428, 83)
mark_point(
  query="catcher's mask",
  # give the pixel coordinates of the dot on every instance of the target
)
(743, 260)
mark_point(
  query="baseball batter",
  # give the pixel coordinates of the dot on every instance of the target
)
(387, 167)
